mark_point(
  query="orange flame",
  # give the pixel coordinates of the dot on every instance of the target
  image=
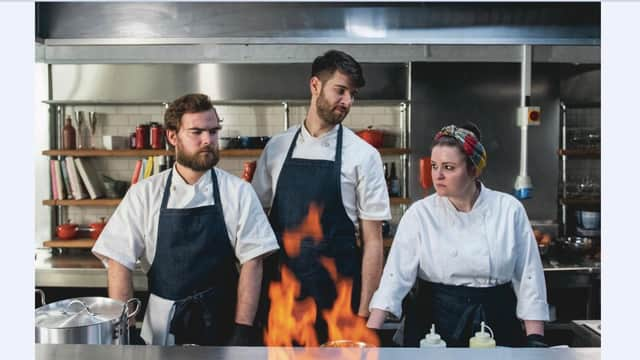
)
(310, 227)
(342, 323)
(292, 322)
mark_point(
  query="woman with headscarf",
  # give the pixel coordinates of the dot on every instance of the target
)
(472, 252)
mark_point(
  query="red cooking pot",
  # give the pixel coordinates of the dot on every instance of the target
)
(67, 231)
(96, 229)
(373, 137)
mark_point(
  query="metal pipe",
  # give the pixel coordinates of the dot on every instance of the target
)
(286, 115)
(523, 186)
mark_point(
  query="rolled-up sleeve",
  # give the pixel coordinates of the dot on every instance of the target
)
(122, 239)
(254, 236)
(371, 188)
(400, 271)
(262, 182)
(528, 280)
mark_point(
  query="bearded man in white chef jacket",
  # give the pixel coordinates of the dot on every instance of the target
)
(190, 226)
(320, 162)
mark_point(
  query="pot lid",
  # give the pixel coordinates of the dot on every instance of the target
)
(79, 312)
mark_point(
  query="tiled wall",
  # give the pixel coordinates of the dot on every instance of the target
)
(255, 120)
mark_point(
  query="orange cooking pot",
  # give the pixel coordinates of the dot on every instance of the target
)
(96, 228)
(372, 136)
(67, 231)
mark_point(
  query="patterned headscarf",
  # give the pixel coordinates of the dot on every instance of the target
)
(472, 147)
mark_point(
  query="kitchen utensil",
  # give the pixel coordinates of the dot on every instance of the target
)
(92, 126)
(574, 247)
(96, 228)
(252, 142)
(67, 231)
(224, 143)
(346, 343)
(588, 220)
(373, 137)
(114, 188)
(85, 320)
(112, 142)
(79, 121)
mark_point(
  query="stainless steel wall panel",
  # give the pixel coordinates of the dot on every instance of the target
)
(306, 23)
(165, 82)
(488, 95)
(304, 53)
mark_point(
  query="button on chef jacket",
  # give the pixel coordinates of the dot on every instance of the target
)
(132, 231)
(363, 186)
(490, 245)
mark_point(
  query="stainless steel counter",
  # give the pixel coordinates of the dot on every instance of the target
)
(77, 270)
(104, 352)
(85, 270)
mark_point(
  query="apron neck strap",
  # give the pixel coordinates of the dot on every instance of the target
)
(167, 187)
(338, 156)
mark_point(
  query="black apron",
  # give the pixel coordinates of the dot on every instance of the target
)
(195, 266)
(301, 183)
(457, 312)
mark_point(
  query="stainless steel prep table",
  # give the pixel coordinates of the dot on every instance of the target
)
(100, 352)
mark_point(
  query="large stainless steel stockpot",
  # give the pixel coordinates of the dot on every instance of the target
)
(86, 320)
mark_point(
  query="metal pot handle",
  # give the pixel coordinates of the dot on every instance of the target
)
(136, 310)
(41, 293)
(78, 301)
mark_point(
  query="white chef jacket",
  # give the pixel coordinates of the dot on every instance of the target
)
(490, 245)
(132, 231)
(364, 189)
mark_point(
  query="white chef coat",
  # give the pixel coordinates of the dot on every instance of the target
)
(132, 231)
(490, 245)
(364, 189)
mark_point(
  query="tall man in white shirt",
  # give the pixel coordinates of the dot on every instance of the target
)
(323, 163)
(189, 226)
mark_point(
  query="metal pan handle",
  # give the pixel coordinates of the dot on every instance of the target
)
(78, 301)
(42, 300)
(136, 310)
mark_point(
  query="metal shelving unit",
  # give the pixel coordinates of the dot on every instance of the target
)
(565, 199)
(56, 120)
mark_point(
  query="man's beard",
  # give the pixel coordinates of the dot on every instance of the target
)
(203, 160)
(325, 111)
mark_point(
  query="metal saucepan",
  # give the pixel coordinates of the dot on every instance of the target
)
(86, 320)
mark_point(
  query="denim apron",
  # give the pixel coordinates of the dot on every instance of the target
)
(457, 312)
(301, 183)
(195, 266)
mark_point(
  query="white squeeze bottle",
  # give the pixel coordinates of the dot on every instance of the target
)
(482, 339)
(432, 339)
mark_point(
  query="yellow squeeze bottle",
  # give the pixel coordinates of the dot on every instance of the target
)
(483, 339)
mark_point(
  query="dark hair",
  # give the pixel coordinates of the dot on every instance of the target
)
(190, 103)
(324, 66)
(450, 141)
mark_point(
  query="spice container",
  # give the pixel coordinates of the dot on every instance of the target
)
(156, 136)
(142, 136)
